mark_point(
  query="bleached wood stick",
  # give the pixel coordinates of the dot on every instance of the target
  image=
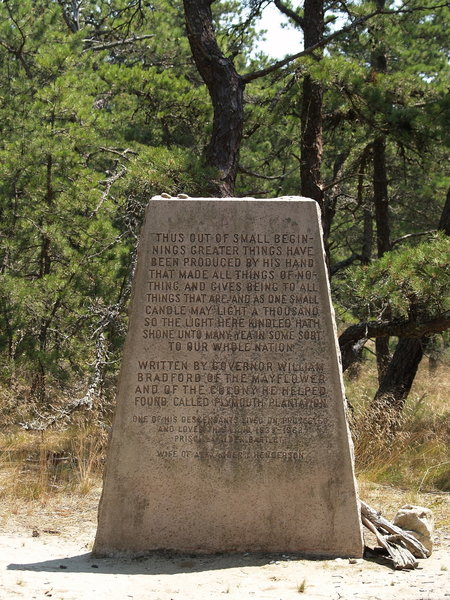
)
(401, 546)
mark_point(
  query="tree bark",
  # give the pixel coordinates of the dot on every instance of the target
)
(366, 250)
(387, 406)
(444, 221)
(381, 205)
(311, 134)
(226, 89)
(381, 198)
(355, 336)
(311, 140)
(311, 129)
(39, 385)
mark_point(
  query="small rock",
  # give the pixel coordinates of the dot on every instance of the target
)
(35, 533)
(418, 521)
(164, 195)
(183, 196)
(52, 531)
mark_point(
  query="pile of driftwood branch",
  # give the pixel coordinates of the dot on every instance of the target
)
(402, 547)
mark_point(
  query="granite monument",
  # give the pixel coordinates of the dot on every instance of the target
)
(230, 431)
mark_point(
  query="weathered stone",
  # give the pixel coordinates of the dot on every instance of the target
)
(418, 521)
(230, 432)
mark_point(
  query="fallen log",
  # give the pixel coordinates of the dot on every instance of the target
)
(399, 544)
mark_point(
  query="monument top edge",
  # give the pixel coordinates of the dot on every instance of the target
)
(184, 197)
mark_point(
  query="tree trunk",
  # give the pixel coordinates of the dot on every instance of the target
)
(396, 383)
(381, 204)
(38, 387)
(226, 89)
(387, 406)
(311, 141)
(444, 221)
(366, 250)
(381, 199)
(355, 336)
(380, 196)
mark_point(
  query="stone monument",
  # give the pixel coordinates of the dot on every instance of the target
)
(230, 432)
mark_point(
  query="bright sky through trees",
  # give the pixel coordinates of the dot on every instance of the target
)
(280, 38)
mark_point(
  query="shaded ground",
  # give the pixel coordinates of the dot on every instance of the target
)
(45, 553)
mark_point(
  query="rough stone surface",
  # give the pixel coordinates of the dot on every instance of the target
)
(230, 432)
(418, 521)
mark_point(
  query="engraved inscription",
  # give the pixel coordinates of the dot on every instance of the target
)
(220, 304)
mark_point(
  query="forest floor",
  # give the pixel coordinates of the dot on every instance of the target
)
(45, 553)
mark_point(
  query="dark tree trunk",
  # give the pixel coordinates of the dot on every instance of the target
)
(226, 89)
(38, 387)
(380, 196)
(311, 142)
(366, 250)
(444, 221)
(355, 336)
(387, 406)
(381, 205)
(312, 23)
(381, 200)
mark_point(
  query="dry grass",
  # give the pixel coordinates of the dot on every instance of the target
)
(389, 499)
(34, 465)
(418, 458)
(37, 465)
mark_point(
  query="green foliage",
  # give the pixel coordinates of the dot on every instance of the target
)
(75, 176)
(413, 282)
(101, 108)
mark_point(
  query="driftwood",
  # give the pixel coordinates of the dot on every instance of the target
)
(400, 545)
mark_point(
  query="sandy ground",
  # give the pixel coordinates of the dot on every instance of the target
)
(45, 553)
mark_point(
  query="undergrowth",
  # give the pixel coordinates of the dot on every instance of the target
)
(70, 459)
(36, 464)
(418, 458)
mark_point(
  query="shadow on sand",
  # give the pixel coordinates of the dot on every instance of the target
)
(157, 563)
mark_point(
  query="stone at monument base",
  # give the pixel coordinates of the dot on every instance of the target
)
(419, 522)
(240, 513)
(230, 433)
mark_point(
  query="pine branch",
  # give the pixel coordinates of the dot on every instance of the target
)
(307, 51)
(351, 26)
(342, 264)
(107, 45)
(411, 235)
(259, 175)
(358, 334)
(290, 13)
